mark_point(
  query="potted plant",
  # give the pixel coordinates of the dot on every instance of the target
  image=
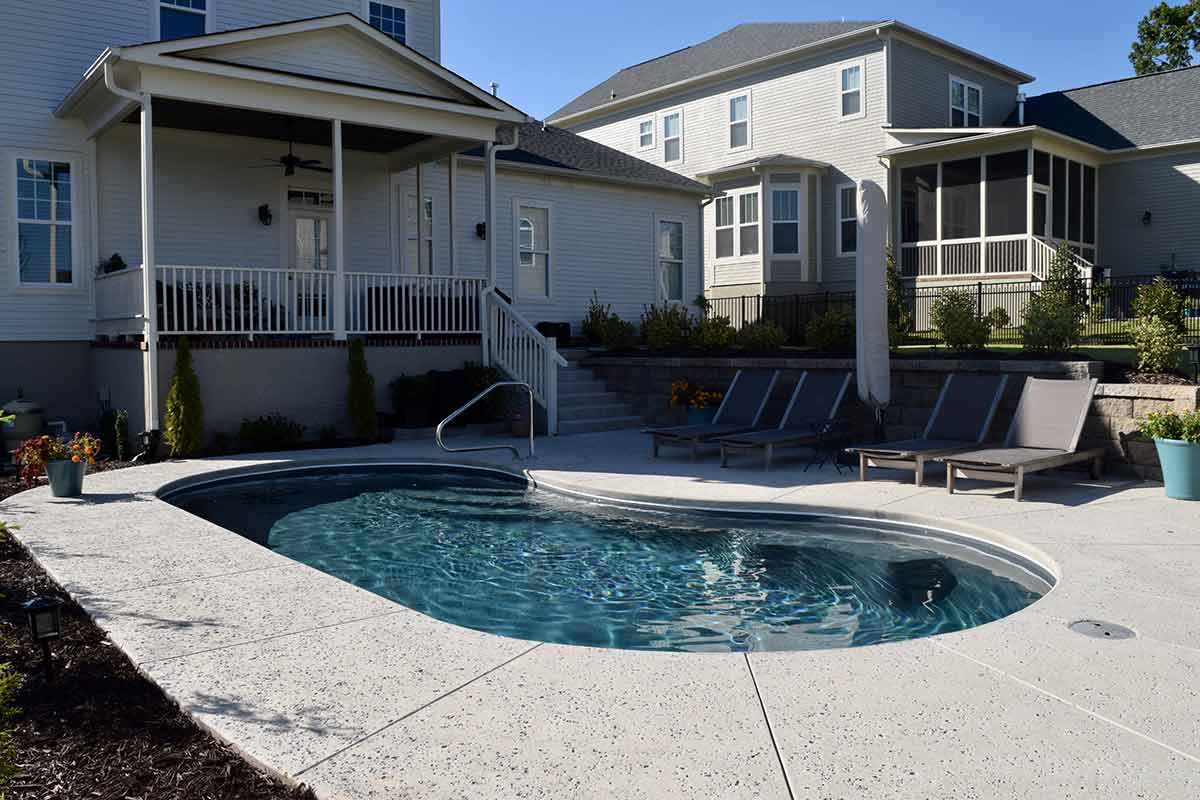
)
(1177, 439)
(64, 463)
(700, 404)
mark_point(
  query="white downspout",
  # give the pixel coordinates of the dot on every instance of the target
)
(149, 278)
(490, 225)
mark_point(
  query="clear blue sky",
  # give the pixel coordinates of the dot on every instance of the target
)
(556, 50)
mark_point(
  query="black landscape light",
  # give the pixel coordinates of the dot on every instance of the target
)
(45, 625)
(1194, 360)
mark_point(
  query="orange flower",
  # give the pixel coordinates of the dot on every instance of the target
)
(75, 459)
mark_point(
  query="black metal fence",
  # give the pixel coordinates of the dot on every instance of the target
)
(1109, 303)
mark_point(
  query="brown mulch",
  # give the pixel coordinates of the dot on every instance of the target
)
(100, 730)
(1161, 378)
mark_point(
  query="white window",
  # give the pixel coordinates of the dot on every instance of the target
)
(737, 224)
(670, 259)
(966, 104)
(672, 137)
(314, 198)
(785, 221)
(533, 251)
(847, 200)
(388, 18)
(850, 102)
(739, 122)
(418, 247)
(178, 19)
(45, 251)
(646, 134)
(725, 226)
(748, 224)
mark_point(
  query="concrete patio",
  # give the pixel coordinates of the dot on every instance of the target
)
(359, 697)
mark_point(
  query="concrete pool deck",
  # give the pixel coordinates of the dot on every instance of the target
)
(359, 697)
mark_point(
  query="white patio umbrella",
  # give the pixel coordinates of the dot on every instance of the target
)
(874, 369)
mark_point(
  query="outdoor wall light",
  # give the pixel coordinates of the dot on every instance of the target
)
(264, 215)
(481, 230)
(1146, 218)
(45, 624)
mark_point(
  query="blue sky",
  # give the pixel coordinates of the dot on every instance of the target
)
(545, 58)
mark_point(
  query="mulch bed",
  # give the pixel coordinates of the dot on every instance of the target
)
(1114, 374)
(100, 730)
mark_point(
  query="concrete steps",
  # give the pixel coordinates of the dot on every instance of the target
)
(585, 405)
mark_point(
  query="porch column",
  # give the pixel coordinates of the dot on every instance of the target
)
(937, 250)
(452, 181)
(339, 229)
(149, 279)
(983, 215)
(1029, 209)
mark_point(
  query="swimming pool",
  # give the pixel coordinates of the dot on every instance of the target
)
(485, 550)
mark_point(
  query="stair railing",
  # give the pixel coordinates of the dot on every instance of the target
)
(513, 344)
(516, 454)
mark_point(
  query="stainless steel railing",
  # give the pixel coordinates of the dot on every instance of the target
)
(516, 454)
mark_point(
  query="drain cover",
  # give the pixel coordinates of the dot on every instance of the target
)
(1101, 630)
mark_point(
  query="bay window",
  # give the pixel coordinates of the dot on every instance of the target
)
(748, 224)
(737, 224)
(785, 221)
(724, 227)
(44, 222)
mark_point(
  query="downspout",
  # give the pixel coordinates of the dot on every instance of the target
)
(490, 227)
(1020, 108)
(705, 203)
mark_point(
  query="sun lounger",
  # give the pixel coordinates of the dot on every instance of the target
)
(808, 420)
(1044, 434)
(960, 420)
(740, 410)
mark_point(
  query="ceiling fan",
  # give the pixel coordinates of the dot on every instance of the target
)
(291, 162)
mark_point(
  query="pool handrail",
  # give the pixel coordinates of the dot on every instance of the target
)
(516, 454)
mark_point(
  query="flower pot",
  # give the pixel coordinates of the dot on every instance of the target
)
(700, 416)
(66, 477)
(1181, 468)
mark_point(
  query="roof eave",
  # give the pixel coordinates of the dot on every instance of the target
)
(1032, 130)
(567, 172)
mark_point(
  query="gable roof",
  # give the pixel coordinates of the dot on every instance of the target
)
(1147, 110)
(554, 148)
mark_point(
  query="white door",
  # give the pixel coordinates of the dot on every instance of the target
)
(417, 226)
(310, 250)
(310, 241)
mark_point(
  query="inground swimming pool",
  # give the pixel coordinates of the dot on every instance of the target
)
(486, 550)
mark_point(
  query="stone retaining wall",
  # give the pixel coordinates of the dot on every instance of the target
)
(1118, 410)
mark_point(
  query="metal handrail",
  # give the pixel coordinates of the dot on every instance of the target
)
(516, 454)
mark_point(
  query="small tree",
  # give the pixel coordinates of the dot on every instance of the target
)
(183, 427)
(955, 317)
(900, 319)
(1160, 299)
(1167, 38)
(360, 394)
(1054, 317)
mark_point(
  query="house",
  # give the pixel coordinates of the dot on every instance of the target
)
(784, 119)
(275, 186)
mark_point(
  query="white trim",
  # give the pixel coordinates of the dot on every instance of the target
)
(156, 17)
(734, 196)
(800, 221)
(424, 228)
(656, 264)
(653, 133)
(840, 68)
(729, 122)
(548, 206)
(841, 216)
(400, 4)
(967, 86)
(79, 223)
(663, 116)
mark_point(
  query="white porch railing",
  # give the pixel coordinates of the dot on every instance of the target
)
(1043, 254)
(511, 343)
(992, 256)
(119, 302)
(412, 304)
(237, 300)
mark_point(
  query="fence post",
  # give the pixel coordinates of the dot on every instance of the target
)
(979, 298)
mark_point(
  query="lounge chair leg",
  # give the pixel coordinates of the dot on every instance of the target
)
(862, 466)
(768, 454)
(950, 478)
(919, 472)
(1097, 468)
(1019, 484)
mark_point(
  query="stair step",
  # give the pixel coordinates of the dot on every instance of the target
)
(587, 398)
(605, 411)
(567, 427)
(570, 377)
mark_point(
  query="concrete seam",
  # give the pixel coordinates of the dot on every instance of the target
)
(787, 778)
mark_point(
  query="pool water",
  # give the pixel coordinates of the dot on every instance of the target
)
(485, 551)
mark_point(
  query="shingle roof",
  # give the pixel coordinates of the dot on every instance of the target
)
(1132, 112)
(554, 147)
(737, 45)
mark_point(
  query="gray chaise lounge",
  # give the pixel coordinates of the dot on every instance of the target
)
(740, 410)
(808, 419)
(959, 422)
(1044, 434)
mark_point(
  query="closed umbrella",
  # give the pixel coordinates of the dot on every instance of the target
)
(874, 369)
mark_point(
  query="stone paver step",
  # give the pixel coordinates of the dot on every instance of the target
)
(606, 411)
(587, 398)
(567, 427)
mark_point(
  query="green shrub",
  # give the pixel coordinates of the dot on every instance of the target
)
(998, 318)
(121, 434)
(900, 319)
(666, 326)
(617, 334)
(1162, 300)
(183, 426)
(1157, 344)
(412, 399)
(596, 320)
(1173, 425)
(10, 684)
(714, 333)
(360, 393)
(1055, 314)
(831, 332)
(270, 432)
(477, 378)
(956, 321)
(761, 337)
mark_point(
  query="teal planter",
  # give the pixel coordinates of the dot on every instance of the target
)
(66, 477)
(1181, 468)
(701, 416)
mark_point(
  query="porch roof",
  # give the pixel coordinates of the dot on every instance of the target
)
(776, 161)
(986, 138)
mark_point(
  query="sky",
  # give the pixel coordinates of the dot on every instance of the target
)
(556, 50)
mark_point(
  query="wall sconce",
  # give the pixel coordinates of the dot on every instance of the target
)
(480, 230)
(1146, 218)
(264, 215)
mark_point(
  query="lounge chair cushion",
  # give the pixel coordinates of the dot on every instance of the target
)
(776, 436)
(965, 407)
(1007, 457)
(906, 448)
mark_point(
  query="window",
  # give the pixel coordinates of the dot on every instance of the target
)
(672, 132)
(918, 203)
(419, 238)
(737, 235)
(387, 18)
(533, 252)
(178, 19)
(847, 198)
(748, 224)
(670, 260)
(851, 93)
(960, 199)
(313, 198)
(724, 227)
(1007, 187)
(646, 134)
(44, 246)
(966, 104)
(739, 122)
(785, 221)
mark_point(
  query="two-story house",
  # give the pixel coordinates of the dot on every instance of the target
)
(784, 119)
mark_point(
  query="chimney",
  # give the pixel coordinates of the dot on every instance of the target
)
(1020, 108)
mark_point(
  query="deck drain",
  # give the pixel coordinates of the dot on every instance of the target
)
(1101, 630)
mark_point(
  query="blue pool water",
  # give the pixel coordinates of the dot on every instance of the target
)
(484, 551)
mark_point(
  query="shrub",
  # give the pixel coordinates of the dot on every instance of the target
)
(10, 684)
(954, 318)
(666, 326)
(1162, 300)
(714, 333)
(270, 432)
(617, 334)
(684, 394)
(360, 394)
(998, 318)
(183, 426)
(477, 378)
(121, 434)
(761, 336)
(831, 332)
(412, 399)
(1173, 425)
(900, 319)
(1157, 344)
(596, 320)
(1055, 314)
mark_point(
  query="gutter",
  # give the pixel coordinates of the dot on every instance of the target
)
(490, 180)
(567, 172)
(106, 59)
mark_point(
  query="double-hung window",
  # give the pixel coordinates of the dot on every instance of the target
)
(851, 90)
(785, 221)
(847, 207)
(966, 104)
(737, 224)
(646, 134)
(670, 259)
(419, 244)
(178, 19)
(739, 122)
(533, 251)
(44, 222)
(748, 224)
(724, 227)
(388, 18)
(672, 136)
